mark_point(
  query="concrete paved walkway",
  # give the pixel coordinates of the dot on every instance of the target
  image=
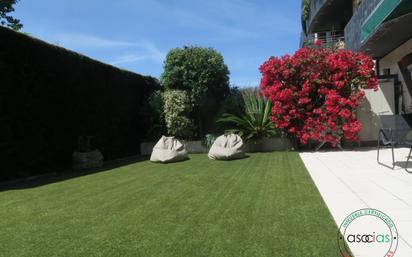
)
(352, 180)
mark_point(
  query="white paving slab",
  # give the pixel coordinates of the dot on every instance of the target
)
(352, 180)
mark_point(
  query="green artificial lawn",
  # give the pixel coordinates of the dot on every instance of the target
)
(264, 205)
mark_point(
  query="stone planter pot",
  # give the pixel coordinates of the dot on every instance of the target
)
(87, 160)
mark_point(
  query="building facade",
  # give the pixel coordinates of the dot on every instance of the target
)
(378, 28)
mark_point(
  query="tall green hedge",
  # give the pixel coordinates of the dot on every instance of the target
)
(50, 96)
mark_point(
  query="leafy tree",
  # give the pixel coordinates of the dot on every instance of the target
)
(6, 7)
(176, 109)
(202, 73)
(254, 122)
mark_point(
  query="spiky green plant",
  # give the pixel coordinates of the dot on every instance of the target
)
(208, 140)
(255, 121)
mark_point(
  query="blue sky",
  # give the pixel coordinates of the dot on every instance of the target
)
(137, 34)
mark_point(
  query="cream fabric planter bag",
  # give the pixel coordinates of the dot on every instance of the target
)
(168, 149)
(227, 147)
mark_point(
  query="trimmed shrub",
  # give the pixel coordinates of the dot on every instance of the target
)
(176, 109)
(50, 96)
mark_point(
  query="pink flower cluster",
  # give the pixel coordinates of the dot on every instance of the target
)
(315, 92)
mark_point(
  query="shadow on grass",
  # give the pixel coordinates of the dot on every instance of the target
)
(231, 160)
(65, 175)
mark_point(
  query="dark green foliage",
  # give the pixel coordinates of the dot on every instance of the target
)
(262, 206)
(305, 10)
(254, 122)
(50, 96)
(6, 7)
(203, 74)
(156, 103)
(157, 117)
(232, 104)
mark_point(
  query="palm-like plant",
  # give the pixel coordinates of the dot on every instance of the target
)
(255, 121)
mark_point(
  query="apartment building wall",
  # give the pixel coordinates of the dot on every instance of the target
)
(390, 61)
(353, 28)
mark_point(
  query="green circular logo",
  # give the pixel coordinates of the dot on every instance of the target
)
(368, 232)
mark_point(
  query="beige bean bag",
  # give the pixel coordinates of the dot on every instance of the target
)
(227, 147)
(168, 149)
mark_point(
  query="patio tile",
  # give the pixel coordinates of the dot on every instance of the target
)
(403, 249)
(352, 180)
(405, 232)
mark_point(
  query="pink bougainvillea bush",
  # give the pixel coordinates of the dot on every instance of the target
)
(316, 91)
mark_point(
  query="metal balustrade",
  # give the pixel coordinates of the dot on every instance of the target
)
(330, 41)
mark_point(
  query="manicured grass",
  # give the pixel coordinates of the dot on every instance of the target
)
(265, 205)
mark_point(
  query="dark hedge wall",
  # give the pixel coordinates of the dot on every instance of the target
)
(49, 96)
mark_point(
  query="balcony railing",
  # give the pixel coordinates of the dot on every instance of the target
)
(330, 41)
